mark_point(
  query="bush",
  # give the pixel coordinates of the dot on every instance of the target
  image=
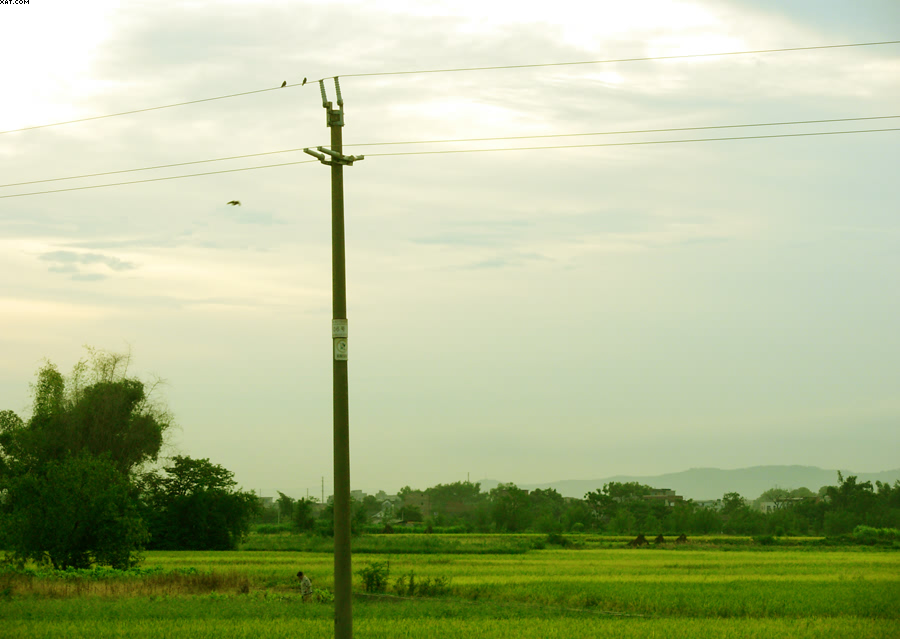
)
(871, 536)
(375, 576)
(558, 540)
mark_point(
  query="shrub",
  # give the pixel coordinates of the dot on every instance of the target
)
(375, 576)
(871, 536)
(558, 540)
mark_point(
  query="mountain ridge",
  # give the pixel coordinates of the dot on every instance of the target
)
(712, 483)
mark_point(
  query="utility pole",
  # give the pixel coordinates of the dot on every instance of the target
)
(343, 574)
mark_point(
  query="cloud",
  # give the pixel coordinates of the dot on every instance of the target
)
(513, 259)
(250, 217)
(88, 277)
(71, 262)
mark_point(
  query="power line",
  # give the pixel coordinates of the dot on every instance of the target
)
(662, 57)
(584, 146)
(158, 166)
(171, 177)
(635, 131)
(492, 139)
(156, 108)
(527, 148)
(454, 70)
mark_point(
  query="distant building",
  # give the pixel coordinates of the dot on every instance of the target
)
(664, 495)
(712, 504)
(357, 495)
(779, 504)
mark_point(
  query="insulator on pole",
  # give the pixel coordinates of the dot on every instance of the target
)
(337, 88)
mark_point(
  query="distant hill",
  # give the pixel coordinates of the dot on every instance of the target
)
(712, 483)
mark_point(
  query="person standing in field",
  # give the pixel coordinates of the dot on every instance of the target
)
(305, 586)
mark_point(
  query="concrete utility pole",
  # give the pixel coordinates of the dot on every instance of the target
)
(343, 573)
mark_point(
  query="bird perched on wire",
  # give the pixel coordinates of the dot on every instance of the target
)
(284, 84)
(234, 203)
(304, 82)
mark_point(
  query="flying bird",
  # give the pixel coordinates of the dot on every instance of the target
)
(304, 82)
(234, 203)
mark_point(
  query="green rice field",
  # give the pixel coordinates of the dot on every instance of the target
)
(689, 591)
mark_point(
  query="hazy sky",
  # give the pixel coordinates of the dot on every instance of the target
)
(527, 316)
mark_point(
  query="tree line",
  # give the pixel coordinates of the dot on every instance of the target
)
(77, 487)
(616, 508)
(81, 484)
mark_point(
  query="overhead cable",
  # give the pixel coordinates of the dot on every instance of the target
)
(584, 146)
(448, 141)
(455, 70)
(528, 148)
(609, 61)
(171, 177)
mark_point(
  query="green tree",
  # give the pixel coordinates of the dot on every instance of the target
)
(704, 521)
(732, 503)
(547, 508)
(577, 515)
(510, 508)
(615, 496)
(774, 494)
(304, 517)
(193, 505)
(285, 507)
(77, 512)
(98, 409)
(78, 455)
(411, 513)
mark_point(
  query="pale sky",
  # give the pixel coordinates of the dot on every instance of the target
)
(527, 316)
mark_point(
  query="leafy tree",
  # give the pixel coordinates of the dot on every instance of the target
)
(97, 410)
(577, 516)
(774, 494)
(285, 507)
(547, 507)
(75, 513)
(510, 508)
(77, 457)
(704, 521)
(732, 503)
(194, 505)
(616, 496)
(411, 513)
(304, 519)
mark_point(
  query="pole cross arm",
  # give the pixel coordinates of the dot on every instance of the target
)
(344, 160)
(340, 158)
(320, 157)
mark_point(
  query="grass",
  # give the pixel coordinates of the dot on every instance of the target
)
(587, 592)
